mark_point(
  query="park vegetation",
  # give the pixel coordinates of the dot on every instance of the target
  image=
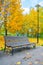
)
(18, 24)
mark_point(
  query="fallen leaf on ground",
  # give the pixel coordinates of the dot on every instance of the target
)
(27, 53)
(18, 63)
(27, 57)
(36, 62)
(30, 63)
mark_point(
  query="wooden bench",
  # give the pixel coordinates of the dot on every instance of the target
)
(17, 42)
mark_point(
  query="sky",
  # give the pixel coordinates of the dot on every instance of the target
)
(27, 4)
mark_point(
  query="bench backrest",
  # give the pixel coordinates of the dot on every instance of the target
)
(16, 41)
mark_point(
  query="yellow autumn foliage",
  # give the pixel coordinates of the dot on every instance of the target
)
(16, 18)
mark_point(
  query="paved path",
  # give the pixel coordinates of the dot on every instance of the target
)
(26, 57)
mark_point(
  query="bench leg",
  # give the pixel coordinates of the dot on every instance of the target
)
(34, 46)
(12, 52)
(4, 49)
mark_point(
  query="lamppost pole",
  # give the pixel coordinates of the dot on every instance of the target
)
(37, 22)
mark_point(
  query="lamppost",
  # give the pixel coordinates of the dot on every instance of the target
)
(37, 22)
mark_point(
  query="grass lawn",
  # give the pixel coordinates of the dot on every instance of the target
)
(30, 39)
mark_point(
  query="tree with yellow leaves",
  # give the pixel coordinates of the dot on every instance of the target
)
(30, 22)
(12, 14)
(15, 19)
